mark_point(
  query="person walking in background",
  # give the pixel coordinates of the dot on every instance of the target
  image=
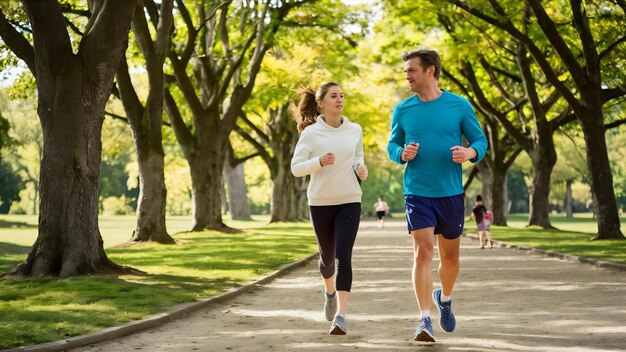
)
(330, 150)
(483, 218)
(381, 208)
(426, 136)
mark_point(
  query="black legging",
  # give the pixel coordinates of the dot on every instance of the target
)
(336, 227)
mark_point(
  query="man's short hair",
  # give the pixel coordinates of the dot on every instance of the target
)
(427, 58)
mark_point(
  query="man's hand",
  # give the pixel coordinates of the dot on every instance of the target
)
(410, 151)
(327, 159)
(462, 154)
(361, 171)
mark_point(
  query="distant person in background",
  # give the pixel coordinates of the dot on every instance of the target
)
(330, 150)
(381, 208)
(483, 218)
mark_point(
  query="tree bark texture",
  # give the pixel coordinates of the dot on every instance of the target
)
(238, 203)
(500, 198)
(146, 122)
(152, 198)
(600, 175)
(283, 205)
(72, 91)
(284, 137)
(206, 177)
(543, 162)
(569, 207)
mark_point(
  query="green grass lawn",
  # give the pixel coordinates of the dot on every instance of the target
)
(572, 236)
(201, 264)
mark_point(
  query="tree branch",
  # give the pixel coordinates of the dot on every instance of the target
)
(183, 133)
(17, 43)
(101, 40)
(537, 54)
(262, 152)
(244, 117)
(614, 124)
(611, 47)
(612, 93)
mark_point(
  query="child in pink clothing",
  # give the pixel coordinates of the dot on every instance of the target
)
(483, 218)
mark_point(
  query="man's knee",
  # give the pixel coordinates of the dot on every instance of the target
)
(424, 253)
(450, 261)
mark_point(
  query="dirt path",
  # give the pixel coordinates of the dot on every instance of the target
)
(505, 300)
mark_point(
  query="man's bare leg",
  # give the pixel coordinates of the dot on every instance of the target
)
(449, 251)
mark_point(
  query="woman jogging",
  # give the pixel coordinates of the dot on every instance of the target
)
(330, 150)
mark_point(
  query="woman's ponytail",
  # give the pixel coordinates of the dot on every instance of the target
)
(305, 114)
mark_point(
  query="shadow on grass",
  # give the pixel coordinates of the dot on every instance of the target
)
(11, 255)
(10, 248)
(46, 309)
(220, 252)
(16, 224)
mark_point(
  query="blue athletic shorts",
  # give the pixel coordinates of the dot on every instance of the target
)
(446, 214)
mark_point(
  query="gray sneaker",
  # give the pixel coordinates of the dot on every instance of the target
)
(339, 326)
(330, 306)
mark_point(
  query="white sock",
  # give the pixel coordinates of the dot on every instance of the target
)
(444, 298)
(425, 314)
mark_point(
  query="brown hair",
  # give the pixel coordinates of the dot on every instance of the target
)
(427, 58)
(305, 114)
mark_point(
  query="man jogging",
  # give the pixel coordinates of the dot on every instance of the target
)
(426, 136)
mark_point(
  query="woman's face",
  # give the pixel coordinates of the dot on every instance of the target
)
(332, 103)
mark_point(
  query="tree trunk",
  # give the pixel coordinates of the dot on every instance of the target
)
(600, 172)
(284, 137)
(569, 208)
(494, 190)
(152, 198)
(300, 200)
(224, 201)
(69, 241)
(146, 123)
(206, 177)
(486, 177)
(499, 193)
(72, 91)
(237, 192)
(283, 196)
(543, 163)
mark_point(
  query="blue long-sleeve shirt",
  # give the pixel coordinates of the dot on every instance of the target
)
(437, 126)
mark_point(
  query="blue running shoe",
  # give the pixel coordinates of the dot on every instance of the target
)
(447, 322)
(424, 331)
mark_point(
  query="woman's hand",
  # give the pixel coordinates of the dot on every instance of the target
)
(327, 159)
(361, 171)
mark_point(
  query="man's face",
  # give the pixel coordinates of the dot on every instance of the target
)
(417, 76)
